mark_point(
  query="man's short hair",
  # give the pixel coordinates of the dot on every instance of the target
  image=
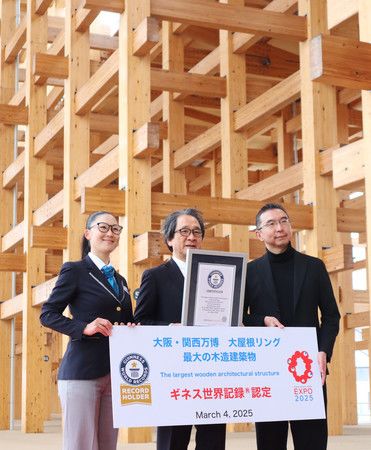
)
(265, 208)
(169, 226)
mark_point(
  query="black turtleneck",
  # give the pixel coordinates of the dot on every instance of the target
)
(282, 265)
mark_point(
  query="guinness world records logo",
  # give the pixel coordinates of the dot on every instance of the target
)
(215, 279)
(134, 369)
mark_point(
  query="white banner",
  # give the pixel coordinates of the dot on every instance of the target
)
(194, 375)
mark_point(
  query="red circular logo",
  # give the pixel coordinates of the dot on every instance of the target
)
(293, 365)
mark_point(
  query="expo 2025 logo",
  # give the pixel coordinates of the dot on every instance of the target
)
(215, 279)
(300, 365)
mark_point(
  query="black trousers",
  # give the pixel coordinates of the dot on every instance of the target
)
(208, 437)
(306, 434)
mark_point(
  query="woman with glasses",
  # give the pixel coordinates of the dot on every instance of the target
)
(98, 298)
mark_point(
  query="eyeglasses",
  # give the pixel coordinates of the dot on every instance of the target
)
(104, 227)
(284, 221)
(185, 232)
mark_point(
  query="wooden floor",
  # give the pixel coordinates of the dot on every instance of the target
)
(354, 438)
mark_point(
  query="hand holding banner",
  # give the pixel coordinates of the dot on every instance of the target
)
(196, 375)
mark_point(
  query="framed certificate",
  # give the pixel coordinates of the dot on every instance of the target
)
(214, 288)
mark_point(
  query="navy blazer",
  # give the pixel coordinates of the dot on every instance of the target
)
(160, 295)
(312, 291)
(85, 289)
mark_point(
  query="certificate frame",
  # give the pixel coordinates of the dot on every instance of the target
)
(233, 262)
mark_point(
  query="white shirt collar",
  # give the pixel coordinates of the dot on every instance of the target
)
(97, 261)
(181, 264)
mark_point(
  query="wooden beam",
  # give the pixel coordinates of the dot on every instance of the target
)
(84, 18)
(293, 125)
(157, 173)
(17, 41)
(42, 6)
(351, 220)
(209, 65)
(104, 123)
(103, 42)
(101, 199)
(355, 203)
(102, 173)
(146, 139)
(13, 115)
(146, 36)
(150, 245)
(347, 96)
(53, 263)
(338, 258)
(274, 99)
(225, 211)
(341, 61)
(356, 320)
(275, 186)
(361, 345)
(216, 15)
(10, 262)
(200, 182)
(11, 307)
(49, 211)
(117, 6)
(41, 292)
(325, 160)
(188, 83)
(198, 147)
(47, 137)
(103, 80)
(54, 97)
(48, 237)
(359, 296)
(12, 238)
(50, 66)
(14, 172)
(348, 165)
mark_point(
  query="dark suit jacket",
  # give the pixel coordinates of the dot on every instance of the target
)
(312, 290)
(85, 289)
(160, 296)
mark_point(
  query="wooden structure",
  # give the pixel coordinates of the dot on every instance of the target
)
(217, 105)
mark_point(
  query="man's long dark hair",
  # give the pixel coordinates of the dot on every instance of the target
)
(169, 227)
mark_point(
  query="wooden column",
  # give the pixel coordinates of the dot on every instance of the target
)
(348, 350)
(349, 382)
(7, 84)
(233, 144)
(173, 112)
(318, 111)
(75, 153)
(34, 371)
(76, 129)
(285, 145)
(134, 174)
(365, 35)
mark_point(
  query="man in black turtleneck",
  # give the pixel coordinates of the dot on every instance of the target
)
(287, 288)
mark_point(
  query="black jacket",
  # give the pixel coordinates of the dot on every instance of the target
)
(85, 289)
(312, 291)
(160, 295)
